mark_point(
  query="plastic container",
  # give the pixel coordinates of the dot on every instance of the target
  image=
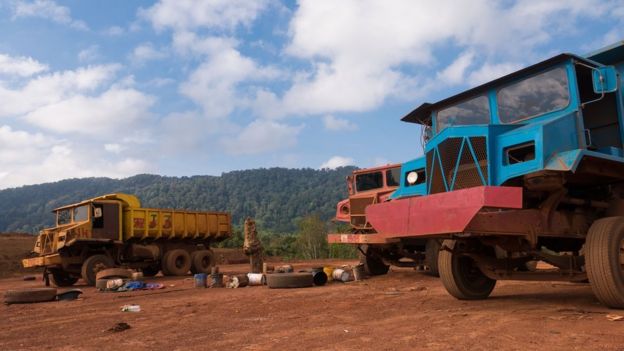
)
(200, 280)
(131, 308)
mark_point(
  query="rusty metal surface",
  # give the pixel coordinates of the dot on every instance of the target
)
(358, 239)
(443, 213)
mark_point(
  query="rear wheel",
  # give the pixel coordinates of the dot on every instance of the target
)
(202, 261)
(176, 262)
(604, 260)
(461, 276)
(94, 264)
(62, 279)
(373, 264)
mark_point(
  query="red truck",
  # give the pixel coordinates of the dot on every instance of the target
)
(371, 186)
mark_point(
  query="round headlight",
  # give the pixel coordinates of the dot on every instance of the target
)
(412, 177)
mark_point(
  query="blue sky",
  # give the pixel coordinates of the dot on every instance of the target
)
(178, 87)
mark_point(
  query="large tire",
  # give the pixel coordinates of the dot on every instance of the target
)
(460, 275)
(432, 250)
(112, 273)
(61, 278)
(604, 257)
(289, 280)
(373, 265)
(176, 262)
(92, 265)
(202, 261)
(29, 295)
(150, 271)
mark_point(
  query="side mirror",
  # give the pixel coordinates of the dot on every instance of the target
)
(604, 79)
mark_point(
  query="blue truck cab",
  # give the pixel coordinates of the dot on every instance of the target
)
(523, 169)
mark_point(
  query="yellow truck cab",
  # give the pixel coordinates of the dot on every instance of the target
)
(114, 230)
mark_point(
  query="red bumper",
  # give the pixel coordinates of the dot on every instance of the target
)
(443, 213)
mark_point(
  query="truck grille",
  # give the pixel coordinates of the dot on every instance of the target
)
(358, 215)
(447, 170)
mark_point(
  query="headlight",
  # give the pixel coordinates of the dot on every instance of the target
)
(412, 177)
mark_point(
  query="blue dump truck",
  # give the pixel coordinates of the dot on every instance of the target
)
(523, 179)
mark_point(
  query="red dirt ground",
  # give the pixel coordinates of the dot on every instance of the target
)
(404, 310)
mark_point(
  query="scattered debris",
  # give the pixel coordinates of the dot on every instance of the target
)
(69, 295)
(287, 268)
(29, 277)
(615, 317)
(131, 308)
(119, 327)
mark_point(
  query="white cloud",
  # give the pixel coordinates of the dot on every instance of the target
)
(20, 66)
(52, 88)
(338, 161)
(335, 124)
(31, 158)
(262, 136)
(455, 72)
(114, 148)
(89, 54)
(358, 50)
(114, 31)
(146, 52)
(191, 14)
(111, 111)
(47, 9)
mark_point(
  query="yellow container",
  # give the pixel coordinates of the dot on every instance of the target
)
(329, 270)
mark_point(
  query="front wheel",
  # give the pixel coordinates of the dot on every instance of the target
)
(62, 279)
(373, 264)
(432, 251)
(94, 264)
(461, 276)
(604, 260)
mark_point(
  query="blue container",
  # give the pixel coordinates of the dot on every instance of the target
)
(200, 280)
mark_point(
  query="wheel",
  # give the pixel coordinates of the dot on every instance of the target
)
(373, 265)
(289, 280)
(62, 279)
(163, 266)
(461, 276)
(176, 262)
(29, 295)
(432, 249)
(202, 261)
(150, 271)
(604, 260)
(94, 264)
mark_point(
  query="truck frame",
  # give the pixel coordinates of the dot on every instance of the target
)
(114, 230)
(525, 168)
(370, 186)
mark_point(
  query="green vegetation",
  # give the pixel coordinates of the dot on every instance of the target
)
(292, 207)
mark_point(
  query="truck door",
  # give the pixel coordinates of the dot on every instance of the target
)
(106, 221)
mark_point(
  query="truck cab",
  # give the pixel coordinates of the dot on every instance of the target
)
(366, 187)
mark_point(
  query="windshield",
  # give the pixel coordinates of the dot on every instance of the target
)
(534, 96)
(63, 217)
(368, 181)
(473, 111)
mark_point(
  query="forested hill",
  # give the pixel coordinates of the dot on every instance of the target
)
(275, 197)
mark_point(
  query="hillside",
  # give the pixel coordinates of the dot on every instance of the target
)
(275, 197)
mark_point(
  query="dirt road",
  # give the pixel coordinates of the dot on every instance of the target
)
(404, 310)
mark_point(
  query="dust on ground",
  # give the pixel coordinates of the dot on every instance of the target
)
(404, 310)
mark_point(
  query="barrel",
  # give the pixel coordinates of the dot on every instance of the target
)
(341, 275)
(200, 280)
(358, 272)
(329, 270)
(256, 279)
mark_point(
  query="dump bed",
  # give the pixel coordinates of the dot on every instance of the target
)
(149, 223)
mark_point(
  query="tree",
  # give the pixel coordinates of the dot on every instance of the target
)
(312, 238)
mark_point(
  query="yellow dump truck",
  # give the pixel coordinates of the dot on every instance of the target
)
(114, 230)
